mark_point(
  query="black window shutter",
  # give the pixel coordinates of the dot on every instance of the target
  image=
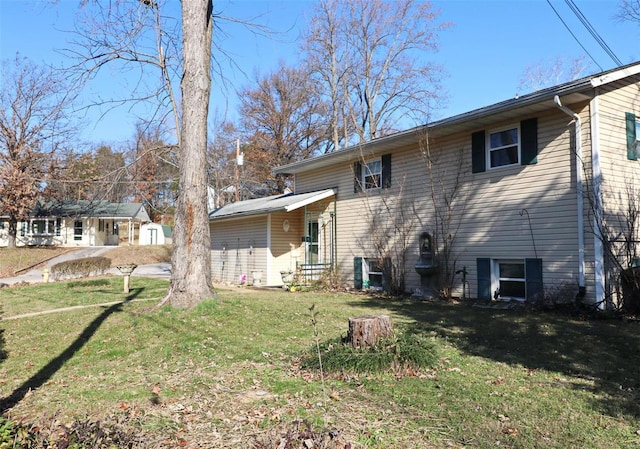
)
(534, 287)
(484, 278)
(357, 177)
(529, 144)
(386, 171)
(478, 155)
(632, 151)
(357, 273)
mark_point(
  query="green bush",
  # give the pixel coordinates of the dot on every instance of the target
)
(80, 267)
(400, 352)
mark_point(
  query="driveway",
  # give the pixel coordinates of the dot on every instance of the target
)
(160, 270)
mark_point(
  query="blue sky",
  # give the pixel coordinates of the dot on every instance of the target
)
(484, 54)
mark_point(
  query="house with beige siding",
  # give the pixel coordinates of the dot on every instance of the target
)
(513, 201)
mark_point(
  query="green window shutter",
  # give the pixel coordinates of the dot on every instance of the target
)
(529, 141)
(478, 153)
(357, 273)
(484, 278)
(23, 228)
(357, 177)
(632, 151)
(386, 171)
(534, 287)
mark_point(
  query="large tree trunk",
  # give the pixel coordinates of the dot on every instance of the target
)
(191, 257)
(13, 232)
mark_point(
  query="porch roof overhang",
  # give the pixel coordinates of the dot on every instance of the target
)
(261, 206)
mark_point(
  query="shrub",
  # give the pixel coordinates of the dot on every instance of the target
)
(80, 267)
(398, 353)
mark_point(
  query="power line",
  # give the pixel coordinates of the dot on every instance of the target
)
(593, 31)
(574, 36)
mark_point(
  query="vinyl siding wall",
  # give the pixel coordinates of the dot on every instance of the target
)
(286, 247)
(523, 211)
(238, 247)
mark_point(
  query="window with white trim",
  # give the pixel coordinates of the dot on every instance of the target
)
(44, 227)
(503, 147)
(372, 174)
(509, 279)
(77, 230)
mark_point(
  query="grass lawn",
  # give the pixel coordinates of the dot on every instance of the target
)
(228, 374)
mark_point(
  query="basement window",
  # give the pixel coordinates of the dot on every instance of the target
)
(509, 280)
(373, 275)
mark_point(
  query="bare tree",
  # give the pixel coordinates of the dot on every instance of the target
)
(447, 202)
(112, 176)
(90, 175)
(371, 56)
(324, 45)
(546, 74)
(629, 10)
(222, 164)
(619, 233)
(284, 118)
(154, 173)
(34, 125)
(392, 222)
(136, 36)
(191, 257)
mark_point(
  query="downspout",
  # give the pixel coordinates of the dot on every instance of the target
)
(580, 200)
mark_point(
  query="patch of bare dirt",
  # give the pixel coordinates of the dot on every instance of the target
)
(139, 255)
(15, 260)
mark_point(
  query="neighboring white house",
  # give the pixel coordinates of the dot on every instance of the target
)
(155, 234)
(80, 223)
(527, 185)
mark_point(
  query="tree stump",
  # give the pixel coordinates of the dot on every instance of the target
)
(368, 329)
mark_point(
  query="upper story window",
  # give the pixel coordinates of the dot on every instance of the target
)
(372, 174)
(504, 148)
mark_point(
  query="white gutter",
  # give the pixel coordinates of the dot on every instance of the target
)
(598, 248)
(580, 200)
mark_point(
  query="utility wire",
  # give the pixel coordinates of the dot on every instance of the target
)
(574, 36)
(593, 31)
